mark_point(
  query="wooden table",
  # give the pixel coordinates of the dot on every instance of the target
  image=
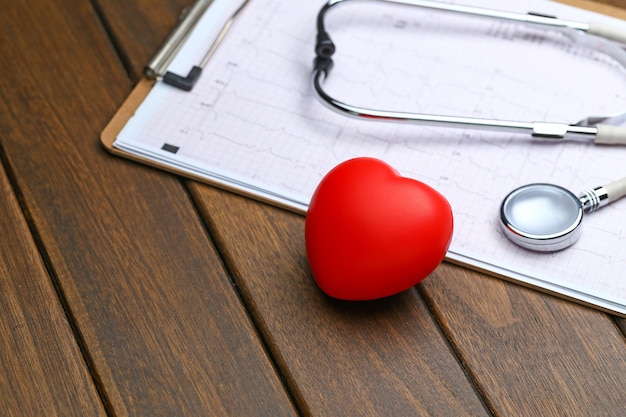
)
(125, 290)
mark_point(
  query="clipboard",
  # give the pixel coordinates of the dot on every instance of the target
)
(147, 83)
(157, 68)
(157, 71)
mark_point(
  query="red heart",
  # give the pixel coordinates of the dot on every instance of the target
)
(371, 233)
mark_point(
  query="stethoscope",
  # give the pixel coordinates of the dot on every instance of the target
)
(602, 130)
(540, 217)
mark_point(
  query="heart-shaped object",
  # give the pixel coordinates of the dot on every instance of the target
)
(371, 233)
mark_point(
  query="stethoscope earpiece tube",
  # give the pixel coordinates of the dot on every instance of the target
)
(610, 135)
(607, 31)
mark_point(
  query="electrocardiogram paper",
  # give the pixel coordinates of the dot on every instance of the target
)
(252, 122)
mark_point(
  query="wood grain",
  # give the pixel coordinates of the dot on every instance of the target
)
(161, 322)
(42, 371)
(139, 27)
(384, 358)
(530, 353)
(159, 318)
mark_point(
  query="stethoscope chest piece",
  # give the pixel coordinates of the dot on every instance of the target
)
(542, 217)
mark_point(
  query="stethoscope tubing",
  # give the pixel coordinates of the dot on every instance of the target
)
(536, 129)
(531, 18)
(587, 129)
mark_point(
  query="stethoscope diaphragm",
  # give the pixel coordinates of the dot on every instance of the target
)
(542, 217)
(548, 217)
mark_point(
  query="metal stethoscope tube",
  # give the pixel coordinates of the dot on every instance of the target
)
(599, 129)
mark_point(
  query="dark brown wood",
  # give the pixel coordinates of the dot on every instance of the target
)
(530, 353)
(161, 323)
(42, 371)
(187, 300)
(139, 27)
(382, 358)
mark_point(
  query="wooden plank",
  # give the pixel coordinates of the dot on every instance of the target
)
(384, 358)
(162, 325)
(139, 27)
(37, 346)
(530, 353)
